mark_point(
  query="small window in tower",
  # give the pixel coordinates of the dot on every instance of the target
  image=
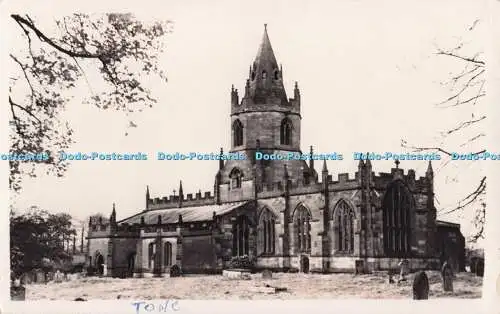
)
(307, 178)
(235, 176)
(264, 75)
(286, 132)
(237, 133)
(276, 75)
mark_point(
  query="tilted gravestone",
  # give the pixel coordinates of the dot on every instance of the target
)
(447, 276)
(480, 268)
(421, 286)
(175, 271)
(267, 274)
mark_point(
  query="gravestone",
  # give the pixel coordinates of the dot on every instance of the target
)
(421, 286)
(404, 266)
(58, 277)
(473, 263)
(447, 276)
(175, 271)
(40, 277)
(267, 274)
(359, 267)
(480, 267)
(391, 276)
(27, 278)
(17, 293)
(304, 264)
(104, 270)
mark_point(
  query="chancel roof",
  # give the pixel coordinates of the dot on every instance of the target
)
(189, 214)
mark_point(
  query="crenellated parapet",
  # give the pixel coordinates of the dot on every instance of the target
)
(416, 185)
(173, 201)
(276, 189)
(345, 181)
(99, 225)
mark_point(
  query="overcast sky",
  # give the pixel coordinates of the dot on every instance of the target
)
(368, 76)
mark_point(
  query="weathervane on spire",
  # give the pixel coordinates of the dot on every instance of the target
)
(397, 163)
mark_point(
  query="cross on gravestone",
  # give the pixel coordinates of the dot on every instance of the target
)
(447, 276)
(421, 286)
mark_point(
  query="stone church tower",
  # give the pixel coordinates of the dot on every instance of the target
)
(265, 121)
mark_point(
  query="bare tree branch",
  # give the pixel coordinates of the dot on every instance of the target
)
(22, 21)
(451, 54)
(23, 68)
(469, 199)
(13, 104)
(465, 124)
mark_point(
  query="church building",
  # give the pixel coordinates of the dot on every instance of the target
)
(283, 215)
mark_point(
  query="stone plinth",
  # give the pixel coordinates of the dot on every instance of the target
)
(237, 274)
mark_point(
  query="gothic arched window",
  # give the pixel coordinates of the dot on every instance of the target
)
(396, 211)
(266, 232)
(167, 254)
(237, 133)
(240, 236)
(344, 227)
(302, 225)
(286, 132)
(235, 177)
(151, 254)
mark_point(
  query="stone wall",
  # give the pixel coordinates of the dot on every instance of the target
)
(123, 249)
(97, 245)
(451, 245)
(198, 254)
